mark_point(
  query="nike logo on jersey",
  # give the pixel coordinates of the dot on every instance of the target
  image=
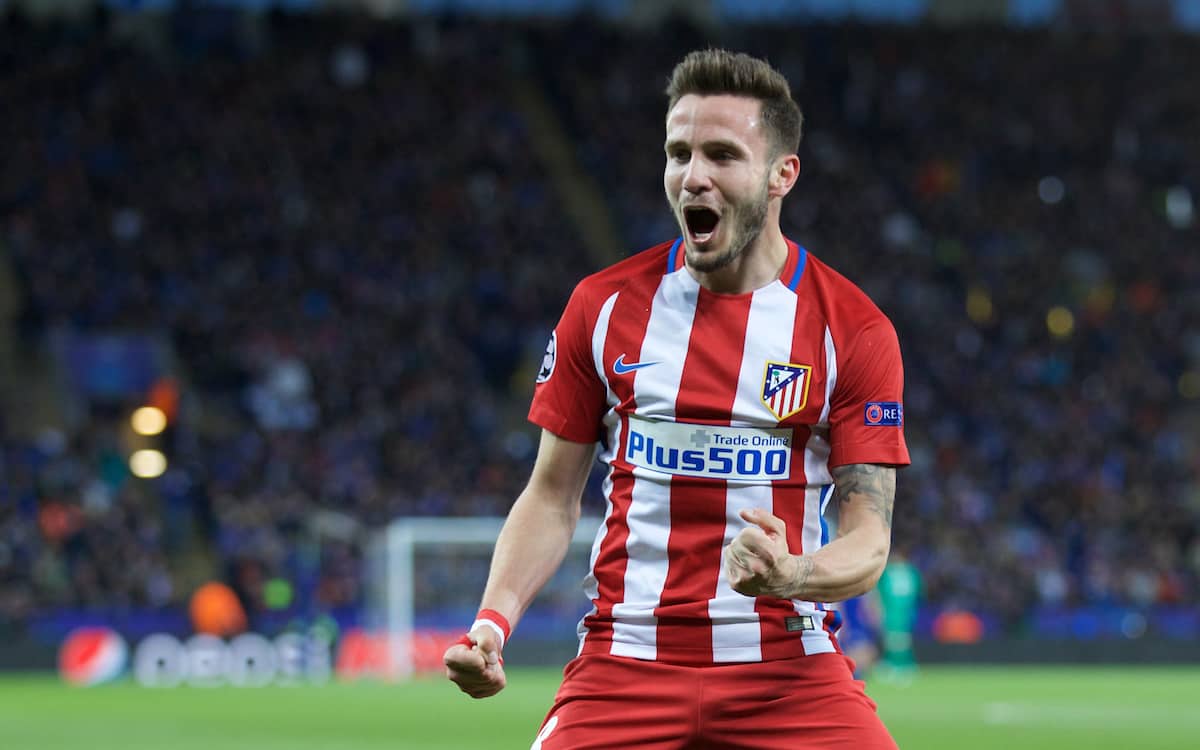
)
(620, 368)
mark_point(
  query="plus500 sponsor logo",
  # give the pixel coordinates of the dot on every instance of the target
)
(729, 453)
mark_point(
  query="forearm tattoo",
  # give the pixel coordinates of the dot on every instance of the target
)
(871, 485)
(799, 584)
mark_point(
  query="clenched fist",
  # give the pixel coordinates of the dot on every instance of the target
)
(477, 668)
(758, 562)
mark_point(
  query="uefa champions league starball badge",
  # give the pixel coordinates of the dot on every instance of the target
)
(548, 359)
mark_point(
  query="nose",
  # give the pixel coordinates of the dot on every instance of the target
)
(697, 178)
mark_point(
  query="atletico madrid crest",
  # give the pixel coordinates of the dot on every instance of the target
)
(785, 388)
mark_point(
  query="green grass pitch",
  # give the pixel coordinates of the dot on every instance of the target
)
(982, 708)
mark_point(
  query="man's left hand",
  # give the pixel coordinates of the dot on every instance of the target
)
(757, 561)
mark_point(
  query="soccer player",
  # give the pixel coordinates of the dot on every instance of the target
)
(735, 385)
(899, 594)
(859, 631)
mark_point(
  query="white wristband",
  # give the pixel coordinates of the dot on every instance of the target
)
(499, 630)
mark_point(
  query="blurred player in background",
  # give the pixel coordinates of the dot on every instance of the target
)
(736, 385)
(859, 633)
(899, 594)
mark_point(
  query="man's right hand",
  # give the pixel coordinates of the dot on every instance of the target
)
(476, 668)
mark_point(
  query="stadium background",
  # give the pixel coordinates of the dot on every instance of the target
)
(328, 241)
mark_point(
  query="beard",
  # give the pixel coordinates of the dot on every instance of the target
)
(749, 219)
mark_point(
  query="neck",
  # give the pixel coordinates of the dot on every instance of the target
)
(759, 264)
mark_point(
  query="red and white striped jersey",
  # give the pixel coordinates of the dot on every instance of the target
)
(705, 404)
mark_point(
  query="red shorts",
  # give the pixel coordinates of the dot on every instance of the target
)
(808, 703)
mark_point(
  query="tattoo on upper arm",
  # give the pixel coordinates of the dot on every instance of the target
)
(869, 484)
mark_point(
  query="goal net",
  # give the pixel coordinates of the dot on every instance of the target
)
(424, 577)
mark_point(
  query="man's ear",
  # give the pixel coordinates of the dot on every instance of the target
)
(785, 170)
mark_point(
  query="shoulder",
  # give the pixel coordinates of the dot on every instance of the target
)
(845, 306)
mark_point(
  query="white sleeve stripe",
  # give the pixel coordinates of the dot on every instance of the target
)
(831, 373)
(494, 626)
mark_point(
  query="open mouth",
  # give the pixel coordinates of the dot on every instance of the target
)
(701, 222)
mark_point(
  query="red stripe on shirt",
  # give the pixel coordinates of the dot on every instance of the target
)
(707, 390)
(827, 626)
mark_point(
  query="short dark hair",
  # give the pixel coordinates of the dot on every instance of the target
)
(719, 71)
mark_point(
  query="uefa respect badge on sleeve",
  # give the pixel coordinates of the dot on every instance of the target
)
(883, 414)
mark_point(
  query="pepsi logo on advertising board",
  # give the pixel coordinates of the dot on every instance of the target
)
(90, 656)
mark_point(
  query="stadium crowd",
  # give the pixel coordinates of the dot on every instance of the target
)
(354, 255)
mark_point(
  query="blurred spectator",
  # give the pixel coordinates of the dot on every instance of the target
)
(215, 609)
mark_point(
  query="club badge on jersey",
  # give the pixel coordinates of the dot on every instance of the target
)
(785, 388)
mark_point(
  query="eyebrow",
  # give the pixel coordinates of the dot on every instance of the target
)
(719, 143)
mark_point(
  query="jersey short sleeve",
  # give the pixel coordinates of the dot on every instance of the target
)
(569, 398)
(866, 417)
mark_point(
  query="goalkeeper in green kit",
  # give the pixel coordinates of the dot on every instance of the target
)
(899, 591)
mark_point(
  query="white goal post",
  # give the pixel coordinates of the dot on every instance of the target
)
(393, 574)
